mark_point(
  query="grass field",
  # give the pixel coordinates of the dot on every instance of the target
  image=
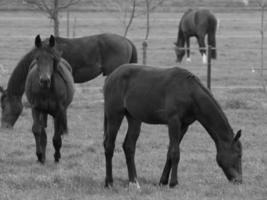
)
(81, 172)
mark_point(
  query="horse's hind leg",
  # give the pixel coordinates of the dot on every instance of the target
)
(129, 147)
(202, 48)
(112, 125)
(38, 129)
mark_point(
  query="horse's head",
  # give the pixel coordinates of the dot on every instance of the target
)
(230, 160)
(179, 51)
(11, 109)
(46, 58)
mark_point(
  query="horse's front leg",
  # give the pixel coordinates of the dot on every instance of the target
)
(175, 135)
(129, 146)
(166, 171)
(188, 59)
(38, 129)
(60, 126)
(202, 48)
(168, 165)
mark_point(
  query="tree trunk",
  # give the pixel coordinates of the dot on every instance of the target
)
(55, 19)
(56, 26)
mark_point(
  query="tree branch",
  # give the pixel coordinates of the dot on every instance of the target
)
(41, 5)
(131, 19)
(147, 19)
(152, 8)
(70, 3)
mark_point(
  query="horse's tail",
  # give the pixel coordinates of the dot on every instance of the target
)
(134, 57)
(212, 37)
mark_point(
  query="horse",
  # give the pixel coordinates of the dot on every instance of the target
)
(173, 97)
(88, 56)
(196, 23)
(49, 88)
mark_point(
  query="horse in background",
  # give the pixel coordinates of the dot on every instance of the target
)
(170, 96)
(49, 89)
(196, 23)
(88, 57)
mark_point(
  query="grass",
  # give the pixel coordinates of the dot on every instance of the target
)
(81, 172)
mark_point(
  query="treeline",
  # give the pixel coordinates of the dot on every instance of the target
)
(166, 5)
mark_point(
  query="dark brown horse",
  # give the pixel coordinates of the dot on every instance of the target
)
(49, 88)
(174, 97)
(88, 57)
(196, 23)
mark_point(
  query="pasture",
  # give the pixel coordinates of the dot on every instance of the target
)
(81, 171)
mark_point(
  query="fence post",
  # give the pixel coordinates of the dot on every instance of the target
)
(209, 67)
(74, 27)
(68, 23)
(144, 45)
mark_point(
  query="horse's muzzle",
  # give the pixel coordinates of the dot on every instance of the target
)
(237, 180)
(6, 125)
(45, 82)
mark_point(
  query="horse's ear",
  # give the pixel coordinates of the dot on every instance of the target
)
(237, 136)
(52, 41)
(38, 41)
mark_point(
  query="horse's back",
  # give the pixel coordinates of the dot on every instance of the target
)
(197, 20)
(148, 93)
(204, 16)
(103, 52)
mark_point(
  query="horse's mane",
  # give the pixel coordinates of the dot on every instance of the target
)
(19, 75)
(214, 101)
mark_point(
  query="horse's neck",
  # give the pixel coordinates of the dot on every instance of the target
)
(180, 38)
(214, 120)
(16, 83)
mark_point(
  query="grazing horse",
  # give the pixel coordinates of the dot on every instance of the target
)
(49, 89)
(174, 97)
(88, 56)
(196, 23)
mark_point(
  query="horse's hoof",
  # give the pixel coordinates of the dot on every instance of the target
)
(108, 183)
(163, 182)
(57, 157)
(237, 181)
(134, 186)
(40, 158)
(41, 161)
(173, 184)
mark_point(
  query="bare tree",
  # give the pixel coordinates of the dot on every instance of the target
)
(131, 17)
(127, 10)
(150, 5)
(4, 2)
(262, 5)
(52, 9)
